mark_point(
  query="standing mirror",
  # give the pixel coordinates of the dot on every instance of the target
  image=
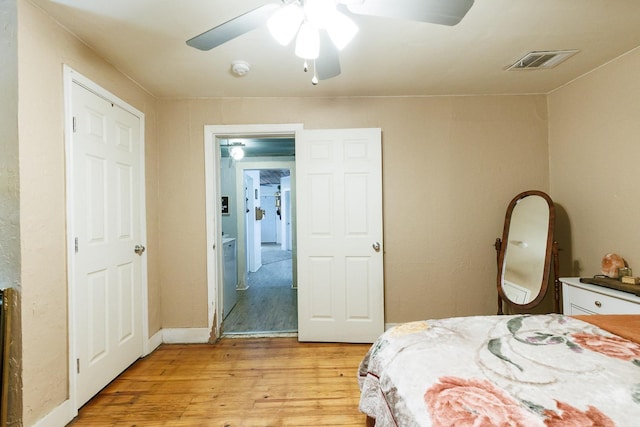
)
(527, 252)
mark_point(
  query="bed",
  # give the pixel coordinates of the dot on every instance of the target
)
(516, 370)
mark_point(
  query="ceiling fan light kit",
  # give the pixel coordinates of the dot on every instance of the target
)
(307, 20)
(284, 24)
(321, 30)
(319, 12)
(308, 42)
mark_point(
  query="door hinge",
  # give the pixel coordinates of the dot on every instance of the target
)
(76, 244)
(74, 124)
(78, 365)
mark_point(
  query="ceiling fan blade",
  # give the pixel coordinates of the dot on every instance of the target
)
(443, 12)
(233, 28)
(328, 62)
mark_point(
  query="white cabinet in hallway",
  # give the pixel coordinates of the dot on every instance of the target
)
(230, 272)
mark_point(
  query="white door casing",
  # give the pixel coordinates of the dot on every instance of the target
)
(212, 135)
(105, 222)
(340, 258)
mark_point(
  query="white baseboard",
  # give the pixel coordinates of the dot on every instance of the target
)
(64, 413)
(388, 326)
(185, 335)
(59, 417)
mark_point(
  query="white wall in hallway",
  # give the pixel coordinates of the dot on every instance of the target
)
(285, 210)
(271, 221)
(254, 234)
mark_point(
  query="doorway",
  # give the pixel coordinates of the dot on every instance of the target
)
(268, 150)
(266, 298)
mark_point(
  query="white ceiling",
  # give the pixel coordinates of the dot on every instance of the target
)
(145, 39)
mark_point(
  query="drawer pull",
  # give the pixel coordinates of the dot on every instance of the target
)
(598, 304)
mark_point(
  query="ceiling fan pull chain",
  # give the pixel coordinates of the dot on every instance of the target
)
(314, 80)
(305, 67)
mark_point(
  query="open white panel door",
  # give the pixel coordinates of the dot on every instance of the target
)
(340, 256)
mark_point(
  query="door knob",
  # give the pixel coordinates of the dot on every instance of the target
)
(376, 246)
(139, 249)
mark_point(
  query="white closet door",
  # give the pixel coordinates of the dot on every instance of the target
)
(107, 276)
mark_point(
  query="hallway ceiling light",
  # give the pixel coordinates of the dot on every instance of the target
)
(236, 153)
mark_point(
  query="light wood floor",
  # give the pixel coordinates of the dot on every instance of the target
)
(237, 382)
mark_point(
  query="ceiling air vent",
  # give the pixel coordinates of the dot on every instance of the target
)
(542, 59)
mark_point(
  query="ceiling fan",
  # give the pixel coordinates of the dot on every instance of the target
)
(323, 27)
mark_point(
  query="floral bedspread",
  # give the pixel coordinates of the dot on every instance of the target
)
(523, 370)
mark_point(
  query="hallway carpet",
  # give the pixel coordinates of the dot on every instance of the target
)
(272, 252)
(269, 305)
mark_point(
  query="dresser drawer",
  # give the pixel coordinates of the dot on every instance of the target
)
(589, 301)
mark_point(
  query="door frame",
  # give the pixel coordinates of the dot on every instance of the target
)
(71, 77)
(212, 136)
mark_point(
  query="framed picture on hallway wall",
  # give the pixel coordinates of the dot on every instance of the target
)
(225, 205)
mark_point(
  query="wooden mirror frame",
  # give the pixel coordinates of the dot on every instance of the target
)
(551, 257)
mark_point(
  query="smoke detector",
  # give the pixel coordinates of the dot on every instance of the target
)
(240, 68)
(542, 59)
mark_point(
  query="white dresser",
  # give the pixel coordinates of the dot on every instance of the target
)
(584, 298)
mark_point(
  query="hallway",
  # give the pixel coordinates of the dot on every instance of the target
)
(270, 304)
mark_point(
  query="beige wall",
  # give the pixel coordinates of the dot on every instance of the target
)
(594, 141)
(43, 47)
(450, 167)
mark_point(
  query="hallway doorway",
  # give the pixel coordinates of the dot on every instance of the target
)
(262, 223)
(265, 146)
